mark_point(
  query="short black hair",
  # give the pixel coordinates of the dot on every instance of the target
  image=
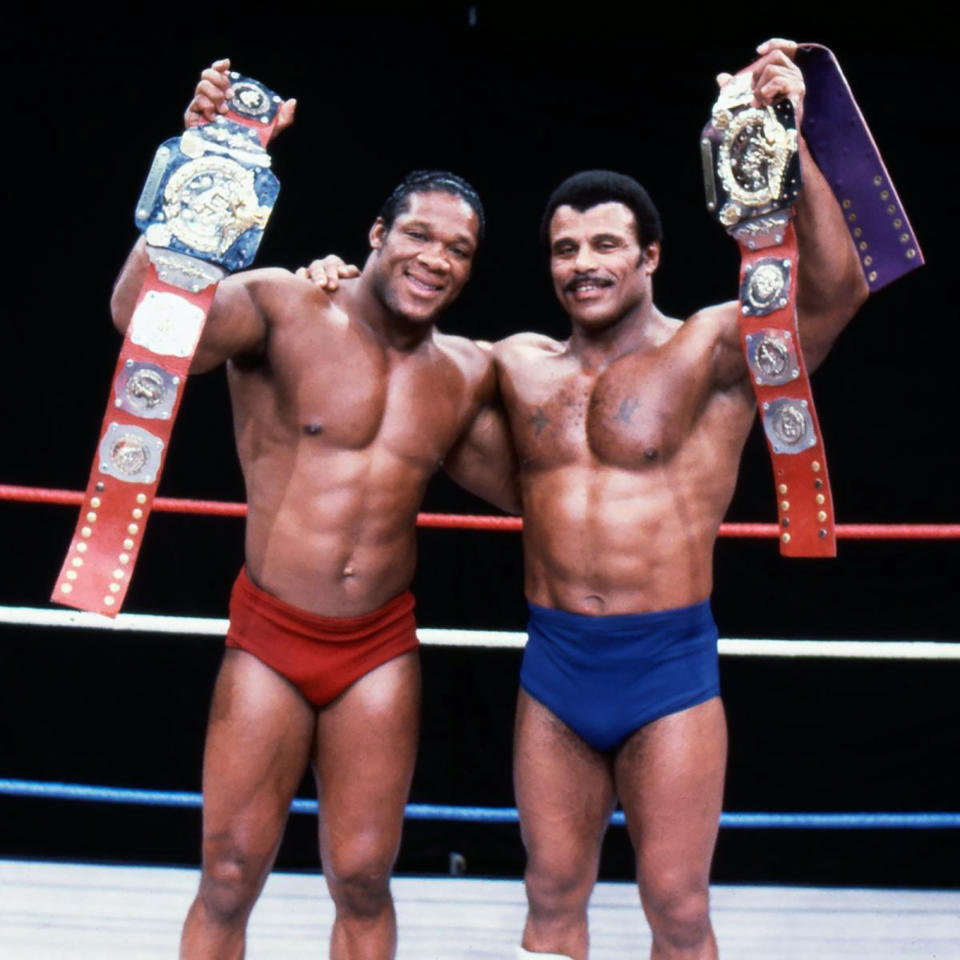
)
(423, 181)
(591, 187)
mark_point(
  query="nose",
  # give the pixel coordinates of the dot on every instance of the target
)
(434, 258)
(585, 260)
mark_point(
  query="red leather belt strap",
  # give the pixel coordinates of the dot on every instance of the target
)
(158, 348)
(771, 345)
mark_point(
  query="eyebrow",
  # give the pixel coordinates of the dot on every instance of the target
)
(427, 225)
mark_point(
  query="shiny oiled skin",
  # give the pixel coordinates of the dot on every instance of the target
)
(342, 412)
(346, 403)
(338, 433)
(629, 434)
(629, 437)
(627, 466)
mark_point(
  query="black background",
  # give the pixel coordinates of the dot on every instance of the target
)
(514, 102)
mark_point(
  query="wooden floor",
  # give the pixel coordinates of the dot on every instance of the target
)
(51, 911)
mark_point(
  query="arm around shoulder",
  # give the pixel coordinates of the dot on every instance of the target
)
(483, 460)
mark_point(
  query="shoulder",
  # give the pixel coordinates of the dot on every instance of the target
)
(472, 357)
(718, 318)
(525, 347)
(715, 333)
(282, 298)
(712, 326)
(263, 278)
(277, 284)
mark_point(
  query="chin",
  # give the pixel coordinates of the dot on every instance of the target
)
(419, 314)
(422, 318)
(411, 311)
(599, 315)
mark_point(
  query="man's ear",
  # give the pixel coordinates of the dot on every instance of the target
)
(651, 256)
(378, 233)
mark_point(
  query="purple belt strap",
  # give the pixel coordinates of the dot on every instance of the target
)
(840, 142)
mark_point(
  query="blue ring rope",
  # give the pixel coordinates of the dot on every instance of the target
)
(428, 811)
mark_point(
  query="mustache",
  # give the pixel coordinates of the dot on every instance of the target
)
(589, 277)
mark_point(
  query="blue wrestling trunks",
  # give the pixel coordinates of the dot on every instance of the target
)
(606, 677)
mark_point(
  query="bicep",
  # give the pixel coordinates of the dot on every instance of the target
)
(483, 460)
(728, 363)
(237, 324)
(830, 282)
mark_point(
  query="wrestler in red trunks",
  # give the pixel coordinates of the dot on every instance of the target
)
(345, 401)
(320, 656)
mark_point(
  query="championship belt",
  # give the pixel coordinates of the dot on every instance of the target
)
(752, 177)
(202, 211)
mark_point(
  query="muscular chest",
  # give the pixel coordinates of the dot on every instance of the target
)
(631, 414)
(346, 392)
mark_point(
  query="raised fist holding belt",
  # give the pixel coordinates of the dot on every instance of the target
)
(211, 99)
(774, 75)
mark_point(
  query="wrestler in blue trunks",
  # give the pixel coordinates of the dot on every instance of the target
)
(606, 677)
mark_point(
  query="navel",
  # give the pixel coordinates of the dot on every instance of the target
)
(651, 454)
(593, 604)
(312, 429)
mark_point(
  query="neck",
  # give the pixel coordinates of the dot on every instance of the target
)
(599, 347)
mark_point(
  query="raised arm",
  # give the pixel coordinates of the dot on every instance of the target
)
(483, 460)
(830, 282)
(236, 323)
(831, 286)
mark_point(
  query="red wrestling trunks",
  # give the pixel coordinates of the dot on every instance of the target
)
(320, 656)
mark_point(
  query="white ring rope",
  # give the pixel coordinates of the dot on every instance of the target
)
(503, 639)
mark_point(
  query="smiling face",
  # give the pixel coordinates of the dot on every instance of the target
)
(423, 261)
(600, 271)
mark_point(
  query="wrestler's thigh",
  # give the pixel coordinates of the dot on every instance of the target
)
(669, 778)
(258, 746)
(365, 749)
(564, 788)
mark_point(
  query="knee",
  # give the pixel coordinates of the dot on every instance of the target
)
(229, 884)
(358, 875)
(679, 913)
(559, 884)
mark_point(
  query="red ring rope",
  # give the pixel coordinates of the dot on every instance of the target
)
(451, 521)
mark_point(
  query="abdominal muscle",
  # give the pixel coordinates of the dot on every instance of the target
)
(332, 531)
(600, 540)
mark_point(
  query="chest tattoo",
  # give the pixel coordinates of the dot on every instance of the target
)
(540, 421)
(627, 409)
